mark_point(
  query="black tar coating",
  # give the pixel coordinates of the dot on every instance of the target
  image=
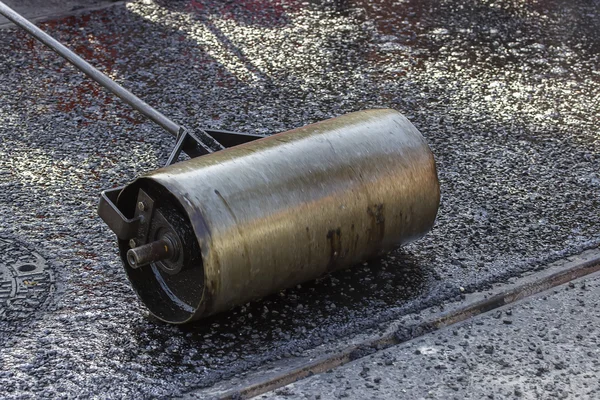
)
(506, 93)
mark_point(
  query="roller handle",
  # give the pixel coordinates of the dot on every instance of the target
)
(186, 141)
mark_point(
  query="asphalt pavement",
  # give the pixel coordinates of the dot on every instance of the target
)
(505, 92)
(44, 10)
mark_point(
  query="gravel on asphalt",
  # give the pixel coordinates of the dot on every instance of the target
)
(506, 93)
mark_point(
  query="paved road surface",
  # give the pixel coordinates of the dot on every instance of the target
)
(506, 93)
(44, 10)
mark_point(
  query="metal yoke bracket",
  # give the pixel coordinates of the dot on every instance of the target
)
(125, 228)
(128, 228)
(193, 146)
(156, 240)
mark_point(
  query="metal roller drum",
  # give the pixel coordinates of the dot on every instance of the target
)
(204, 235)
(256, 218)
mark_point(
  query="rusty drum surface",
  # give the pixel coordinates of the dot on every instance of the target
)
(259, 217)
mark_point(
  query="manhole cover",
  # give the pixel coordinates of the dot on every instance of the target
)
(26, 283)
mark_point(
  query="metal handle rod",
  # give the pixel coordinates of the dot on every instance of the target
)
(90, 71)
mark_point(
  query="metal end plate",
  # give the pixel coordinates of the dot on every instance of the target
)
(26, 284)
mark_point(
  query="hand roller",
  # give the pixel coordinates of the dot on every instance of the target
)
(201, 236)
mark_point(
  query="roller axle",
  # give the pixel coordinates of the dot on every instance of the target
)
(163, 249)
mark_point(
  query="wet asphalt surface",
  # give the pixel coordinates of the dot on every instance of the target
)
(506, 93)
(48, 9)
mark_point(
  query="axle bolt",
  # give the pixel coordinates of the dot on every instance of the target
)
(162, 249)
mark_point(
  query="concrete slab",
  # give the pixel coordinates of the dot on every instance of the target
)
(544, 347)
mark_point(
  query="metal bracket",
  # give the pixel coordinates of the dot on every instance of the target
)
(157, 240)
(229, 139)
(190, 144)
(128, 228)
(193, 146)
(144, 210)
(122, 226)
